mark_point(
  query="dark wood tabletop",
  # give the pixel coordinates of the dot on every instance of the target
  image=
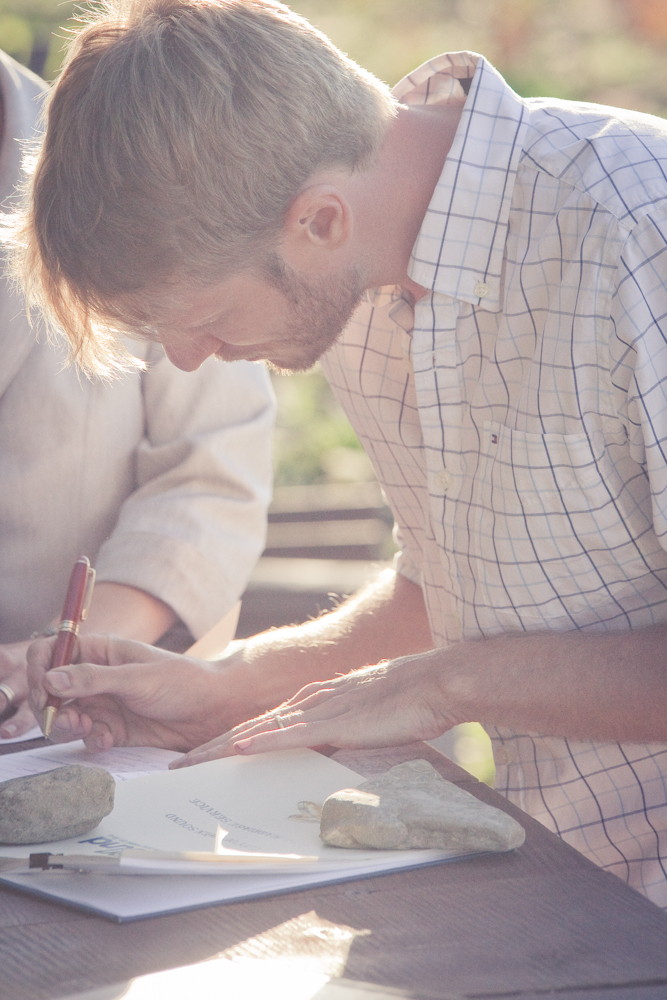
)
(539, 922)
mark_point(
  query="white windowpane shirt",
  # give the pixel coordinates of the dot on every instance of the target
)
(517, 416)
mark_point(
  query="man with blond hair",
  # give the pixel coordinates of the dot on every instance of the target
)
(483, 278)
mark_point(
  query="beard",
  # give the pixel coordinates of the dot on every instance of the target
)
(321, 309)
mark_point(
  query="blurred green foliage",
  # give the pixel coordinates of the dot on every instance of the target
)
(314, 442)
(31, 31)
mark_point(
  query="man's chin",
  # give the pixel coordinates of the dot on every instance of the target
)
(295, 368)
(229, 356)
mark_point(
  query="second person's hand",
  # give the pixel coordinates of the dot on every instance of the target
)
(16, 717)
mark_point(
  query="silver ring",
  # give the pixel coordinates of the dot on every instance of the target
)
(8, 693)
(279, 721)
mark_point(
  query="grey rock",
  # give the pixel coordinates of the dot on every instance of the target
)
(54, 805)
(414, 806)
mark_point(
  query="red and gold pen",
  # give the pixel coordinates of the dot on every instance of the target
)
(77, 601)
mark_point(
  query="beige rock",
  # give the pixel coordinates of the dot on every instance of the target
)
(54, 805)
(414, 806)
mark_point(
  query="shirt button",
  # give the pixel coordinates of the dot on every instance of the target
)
(481, 289)
(503, 755)
(443, 480)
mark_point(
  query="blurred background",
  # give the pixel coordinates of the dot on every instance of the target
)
(607, 51)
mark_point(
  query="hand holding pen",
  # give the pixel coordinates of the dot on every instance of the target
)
(77, 601)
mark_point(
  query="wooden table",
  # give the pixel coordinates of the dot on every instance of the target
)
(541, 922)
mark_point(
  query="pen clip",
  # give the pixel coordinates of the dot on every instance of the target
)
(88, 595)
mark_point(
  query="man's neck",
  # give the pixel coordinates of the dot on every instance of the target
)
(391, 198)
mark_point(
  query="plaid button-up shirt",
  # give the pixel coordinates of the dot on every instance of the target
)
(517, 416)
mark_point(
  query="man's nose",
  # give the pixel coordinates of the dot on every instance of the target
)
(189, 355)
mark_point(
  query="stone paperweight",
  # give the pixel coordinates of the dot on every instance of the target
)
(54, 805)
(413, 806)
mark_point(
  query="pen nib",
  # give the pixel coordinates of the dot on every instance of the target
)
(47, 720)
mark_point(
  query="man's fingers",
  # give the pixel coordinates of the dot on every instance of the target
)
(301, 734)
(80, 680)
(99, 738)
(221, 746)
(263, 735)
(286, 727)
(83, 680)
(68, 724)
(38, 655)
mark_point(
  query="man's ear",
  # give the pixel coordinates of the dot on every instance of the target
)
(318, 220)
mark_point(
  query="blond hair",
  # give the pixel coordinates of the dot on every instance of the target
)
(176, 137)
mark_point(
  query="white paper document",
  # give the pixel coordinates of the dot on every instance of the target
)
(122, 762)
(255, 804)
(32, 734)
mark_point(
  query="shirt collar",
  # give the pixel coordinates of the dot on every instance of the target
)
(460, 246)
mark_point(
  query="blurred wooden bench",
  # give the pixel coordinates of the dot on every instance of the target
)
(323, 543)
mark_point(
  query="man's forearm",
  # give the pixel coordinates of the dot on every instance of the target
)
(610, 686)
(606, 687)
(385, 620)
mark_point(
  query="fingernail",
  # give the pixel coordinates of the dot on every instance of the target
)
(191, 759)
(241, 746)
(8, 731)
(60, 680)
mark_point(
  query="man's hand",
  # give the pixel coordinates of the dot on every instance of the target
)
(388, 704)
(126, 693)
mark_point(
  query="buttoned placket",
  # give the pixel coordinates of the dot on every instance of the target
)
(440, 402)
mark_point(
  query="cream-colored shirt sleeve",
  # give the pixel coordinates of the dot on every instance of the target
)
(194, 526)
